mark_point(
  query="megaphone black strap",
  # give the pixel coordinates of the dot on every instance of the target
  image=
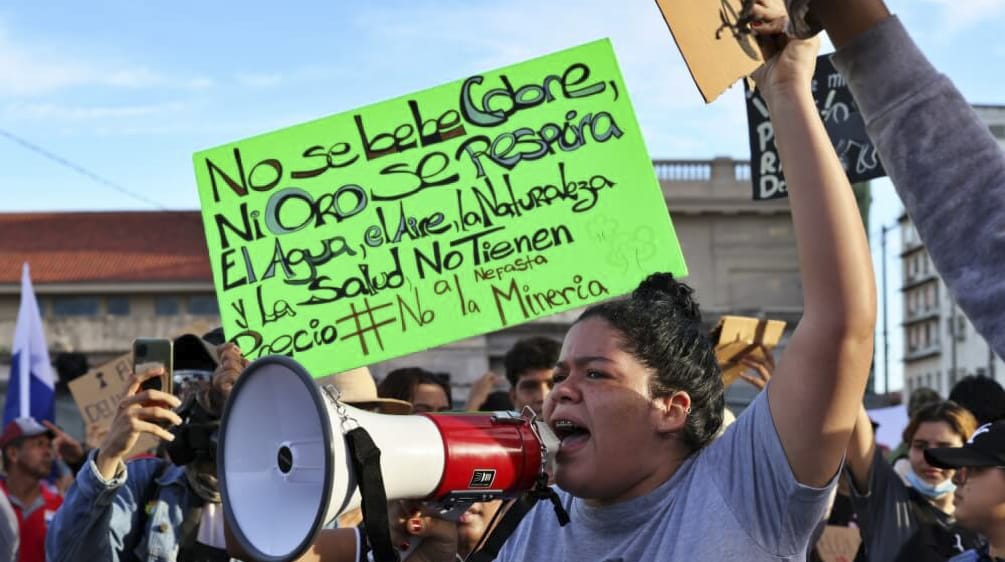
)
(520, 508)
(365, 458)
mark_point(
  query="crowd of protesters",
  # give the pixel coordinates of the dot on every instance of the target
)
(634, 393)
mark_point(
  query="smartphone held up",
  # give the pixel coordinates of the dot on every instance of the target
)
(151, 353)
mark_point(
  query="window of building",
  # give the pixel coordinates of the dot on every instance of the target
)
(928, 336)
(117, 306)
(166, 306)
(75, 306)
(998, 131)
(910, 235)
(203, 305)
(961, 328)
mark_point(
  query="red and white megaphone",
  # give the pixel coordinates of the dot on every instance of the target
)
(285, 471)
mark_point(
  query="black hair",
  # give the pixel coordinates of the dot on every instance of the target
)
(984, 397)
(660, 325)
(530, 354)
(920, 398)
(497, 401)
(400, 383)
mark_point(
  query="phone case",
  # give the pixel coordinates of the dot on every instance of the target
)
(155, 352)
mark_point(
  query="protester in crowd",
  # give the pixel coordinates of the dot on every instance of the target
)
(940, 155)
(983, 396)
(152, 508)
(425, 391)
(529, 366)
(28, 458)
(920, 398)
(638, 396)
(980, 492)
(909, 522)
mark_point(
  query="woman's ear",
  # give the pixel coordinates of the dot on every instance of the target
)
(672, 411)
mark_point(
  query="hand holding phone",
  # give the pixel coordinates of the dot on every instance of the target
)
(143, 408)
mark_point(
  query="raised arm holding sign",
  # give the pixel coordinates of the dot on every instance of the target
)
(638, 393)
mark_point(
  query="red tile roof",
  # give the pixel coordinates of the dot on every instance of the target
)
(133, 246)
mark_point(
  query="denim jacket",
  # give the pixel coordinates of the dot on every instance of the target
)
(134, 517)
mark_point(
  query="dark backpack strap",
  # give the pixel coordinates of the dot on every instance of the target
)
(365, 457)
(514, 515)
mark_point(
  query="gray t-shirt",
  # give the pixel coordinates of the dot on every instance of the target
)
(736, 499)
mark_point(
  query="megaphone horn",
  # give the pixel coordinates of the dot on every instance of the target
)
(285, 471)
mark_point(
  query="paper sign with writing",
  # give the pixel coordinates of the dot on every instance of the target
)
(739, 337)
(841, 118)
(476, 205)
(98, 393)
(714, 41)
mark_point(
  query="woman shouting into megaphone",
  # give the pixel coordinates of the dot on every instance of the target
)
(638, 397)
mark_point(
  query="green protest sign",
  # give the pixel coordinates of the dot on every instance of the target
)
(451, 212)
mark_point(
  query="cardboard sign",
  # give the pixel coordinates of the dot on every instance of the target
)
(739, 337)
(841, 118)
(480, 204)
(839, 544)
(716, 45)
(99, 391)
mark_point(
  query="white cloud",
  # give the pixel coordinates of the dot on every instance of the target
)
(259, 80)
(64, 112)
(34, 70)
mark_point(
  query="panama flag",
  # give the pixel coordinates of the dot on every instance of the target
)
(30, 391)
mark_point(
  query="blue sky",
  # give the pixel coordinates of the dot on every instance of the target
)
(130, 90)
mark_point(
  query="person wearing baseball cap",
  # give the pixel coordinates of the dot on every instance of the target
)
(980, 488)
(27, 458)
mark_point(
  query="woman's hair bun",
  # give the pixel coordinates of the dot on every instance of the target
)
(663, 287)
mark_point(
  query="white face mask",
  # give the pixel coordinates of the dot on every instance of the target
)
(928, 490)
